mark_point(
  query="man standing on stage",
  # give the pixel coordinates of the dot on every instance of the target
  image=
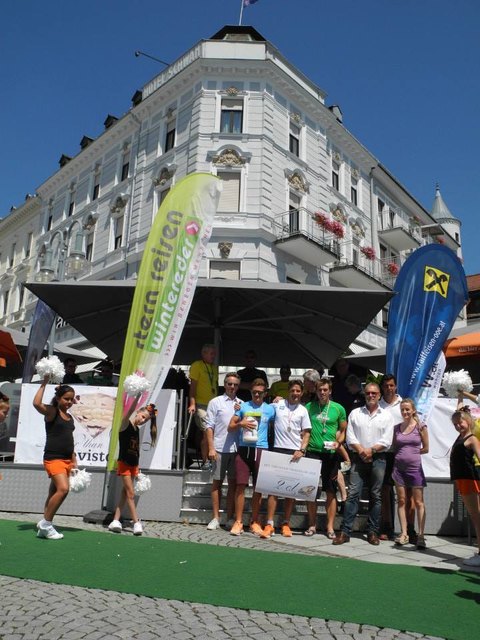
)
(203, 387)
(222, 446)
(369, 434)
(329, 422)
(251, 421)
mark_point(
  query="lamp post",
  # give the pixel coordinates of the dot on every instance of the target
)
(63, 258)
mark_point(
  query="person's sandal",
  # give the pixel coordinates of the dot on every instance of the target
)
(401, 539)
(331, 535)
(311, 531)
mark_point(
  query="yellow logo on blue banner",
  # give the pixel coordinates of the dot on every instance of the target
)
(436, 281)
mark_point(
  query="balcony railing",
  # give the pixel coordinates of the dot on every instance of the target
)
(299, 234)
(398, 232)
(360, 272)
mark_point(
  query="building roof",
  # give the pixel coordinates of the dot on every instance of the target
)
(473, 282)
(440, 211)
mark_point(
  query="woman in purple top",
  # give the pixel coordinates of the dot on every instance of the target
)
(410, 441)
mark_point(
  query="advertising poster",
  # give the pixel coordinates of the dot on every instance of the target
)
(93, 416)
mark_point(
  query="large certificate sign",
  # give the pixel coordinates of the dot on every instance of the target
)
(279, 476)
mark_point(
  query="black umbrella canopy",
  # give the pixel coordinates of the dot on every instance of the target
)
(302, 325)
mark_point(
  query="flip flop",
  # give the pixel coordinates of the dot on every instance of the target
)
(331, 535)
(311, 531)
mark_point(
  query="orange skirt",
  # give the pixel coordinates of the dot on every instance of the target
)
(467, 486)
(124, 469)
(57, 467)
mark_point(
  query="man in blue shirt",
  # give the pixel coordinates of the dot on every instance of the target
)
(253, 419)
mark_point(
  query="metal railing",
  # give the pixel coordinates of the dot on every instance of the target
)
(301, 222)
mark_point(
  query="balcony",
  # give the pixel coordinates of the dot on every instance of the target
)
(300, 236)
(370, 274)
(395, 232)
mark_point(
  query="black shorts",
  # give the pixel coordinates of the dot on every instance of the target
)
(329, 472)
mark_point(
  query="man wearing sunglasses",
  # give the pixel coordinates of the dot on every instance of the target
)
(222, 447)
(369, 434)
(251, 422)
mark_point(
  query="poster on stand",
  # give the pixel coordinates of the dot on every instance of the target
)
(93, 415)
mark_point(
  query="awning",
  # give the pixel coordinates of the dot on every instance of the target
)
(14, 368)
(8, 350)
(463, 346)
(303, 325)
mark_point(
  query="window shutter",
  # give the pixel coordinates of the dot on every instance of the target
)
(230, 196)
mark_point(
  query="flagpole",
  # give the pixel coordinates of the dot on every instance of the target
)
(241, 13)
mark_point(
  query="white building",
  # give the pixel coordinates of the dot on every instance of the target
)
(303, 200)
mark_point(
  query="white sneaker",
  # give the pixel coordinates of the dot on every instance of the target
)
(213, 524)
(474, 561)
(115, 526)
(50, 533)
(137, 528)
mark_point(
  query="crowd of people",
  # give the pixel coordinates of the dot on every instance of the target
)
(367, 431)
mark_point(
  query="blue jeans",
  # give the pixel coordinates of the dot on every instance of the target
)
(369, 474)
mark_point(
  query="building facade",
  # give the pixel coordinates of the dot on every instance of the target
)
(303, 201)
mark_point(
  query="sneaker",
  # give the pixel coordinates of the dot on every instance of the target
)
(206, 466)
(213, 524)
(421, 544)
(115, 526)
(137, 528)
(474, 561)
(268, 531)
(50, 533)
(286, 531)
(412, 534)
(237, 528)
(256, 529)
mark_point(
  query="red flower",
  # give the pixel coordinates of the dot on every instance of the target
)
(392, 268)
(337, 229)
(368, 252)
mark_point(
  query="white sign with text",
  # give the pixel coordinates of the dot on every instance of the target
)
(279, 476)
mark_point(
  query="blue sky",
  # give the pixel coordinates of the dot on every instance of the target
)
(405, 73)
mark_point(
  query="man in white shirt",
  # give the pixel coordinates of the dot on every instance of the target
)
(369, 434)
(222, 446)
(391, 401)
(292, 432)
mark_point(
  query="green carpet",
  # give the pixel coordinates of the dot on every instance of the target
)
(438, 603)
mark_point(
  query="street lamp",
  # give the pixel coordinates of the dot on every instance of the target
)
(59, 263)
(70, 264)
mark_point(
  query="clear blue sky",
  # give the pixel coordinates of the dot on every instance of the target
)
(405, 73)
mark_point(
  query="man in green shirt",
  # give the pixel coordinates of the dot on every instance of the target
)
(329, 422)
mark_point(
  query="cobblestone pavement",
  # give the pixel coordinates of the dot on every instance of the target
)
(33, 610)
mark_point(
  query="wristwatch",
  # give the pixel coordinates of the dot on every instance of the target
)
(374, 451)
(304, 451)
